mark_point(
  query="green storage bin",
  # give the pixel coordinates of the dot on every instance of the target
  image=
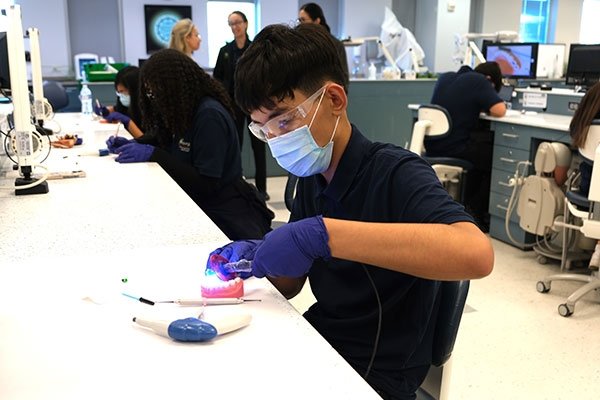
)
(101, 72)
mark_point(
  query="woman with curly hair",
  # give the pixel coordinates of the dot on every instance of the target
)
(194, 140)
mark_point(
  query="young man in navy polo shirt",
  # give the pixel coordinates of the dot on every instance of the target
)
(371, 227)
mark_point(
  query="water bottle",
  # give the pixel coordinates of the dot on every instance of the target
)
(372, 71)
(85, 95)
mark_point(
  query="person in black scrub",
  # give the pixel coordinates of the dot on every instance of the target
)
(465, 94)
(312, 13)
(367, 218)
(224, 71)
(195, 141)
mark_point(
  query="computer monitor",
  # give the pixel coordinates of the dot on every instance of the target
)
(4, 66)
(551, 60)
(516, 60)
(584, 65)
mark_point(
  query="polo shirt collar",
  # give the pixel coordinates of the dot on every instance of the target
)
(348, 167)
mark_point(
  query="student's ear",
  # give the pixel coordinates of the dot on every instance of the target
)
(338, 98)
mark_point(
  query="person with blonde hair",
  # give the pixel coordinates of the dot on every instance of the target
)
(185, 37)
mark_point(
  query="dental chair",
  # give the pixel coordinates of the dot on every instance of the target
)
(433, 120)
(587, 209)
(453, 298)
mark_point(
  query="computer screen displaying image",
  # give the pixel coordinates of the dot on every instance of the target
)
(516, 60)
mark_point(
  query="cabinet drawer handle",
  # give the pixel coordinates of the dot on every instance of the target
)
(510, 135)
(502, 207)
(508, 160)
(505, 184)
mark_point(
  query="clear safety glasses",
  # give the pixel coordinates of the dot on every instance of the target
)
(286, 122)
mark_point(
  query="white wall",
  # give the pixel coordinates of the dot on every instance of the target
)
(436, 27)
(568, 21)
(448, 24)
(362, 18)
(425, 28)
(50, 17)
(501, 15)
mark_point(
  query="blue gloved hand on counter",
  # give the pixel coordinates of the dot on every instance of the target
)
(235, 251)
(101, 110)
(114, 142)
(291, 249)
(117, 116)
(134, 152)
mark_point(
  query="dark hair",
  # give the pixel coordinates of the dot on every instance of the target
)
(491, 69)
(586, 112)
(241, 14)
(282, 59)
(315, 11)
(172, 85)
(130, 78)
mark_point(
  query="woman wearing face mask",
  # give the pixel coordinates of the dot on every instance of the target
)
(126, 110)
(224, 72)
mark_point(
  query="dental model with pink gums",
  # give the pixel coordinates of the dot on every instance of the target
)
(229, 283)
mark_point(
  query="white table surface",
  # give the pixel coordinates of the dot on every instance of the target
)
(529, 118)
(66, 330)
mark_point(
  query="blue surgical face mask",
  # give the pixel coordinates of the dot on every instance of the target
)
(125, 99)
(298, 153)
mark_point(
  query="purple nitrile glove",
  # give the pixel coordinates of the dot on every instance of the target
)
(291, 249)
(114, 142)
(134, 152)
(235, 251)
(117, 116)
(101, 110)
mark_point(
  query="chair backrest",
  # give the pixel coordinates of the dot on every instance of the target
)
(290, 191)
(56, 95)
(591, 143)
(453, 297)
(433, 120)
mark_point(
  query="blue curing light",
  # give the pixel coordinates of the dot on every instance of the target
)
(183, 330)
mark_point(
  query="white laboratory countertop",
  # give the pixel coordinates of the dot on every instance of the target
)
(554, 91)
(535, 119)
(538, 120)
(66, 330)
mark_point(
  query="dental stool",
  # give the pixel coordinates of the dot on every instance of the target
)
(433, 120)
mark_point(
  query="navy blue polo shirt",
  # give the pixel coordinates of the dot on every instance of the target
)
(375, 182)
(211, 144)
(464, 94)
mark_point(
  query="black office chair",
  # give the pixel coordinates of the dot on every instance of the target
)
(453, 297)
(434, 120)
(56, 95)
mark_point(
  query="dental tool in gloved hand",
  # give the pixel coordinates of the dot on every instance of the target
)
(194, 329)
(226, 270)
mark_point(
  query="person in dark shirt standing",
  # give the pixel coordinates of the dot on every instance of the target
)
(465, 94)
(312, 13)
(224, 71)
